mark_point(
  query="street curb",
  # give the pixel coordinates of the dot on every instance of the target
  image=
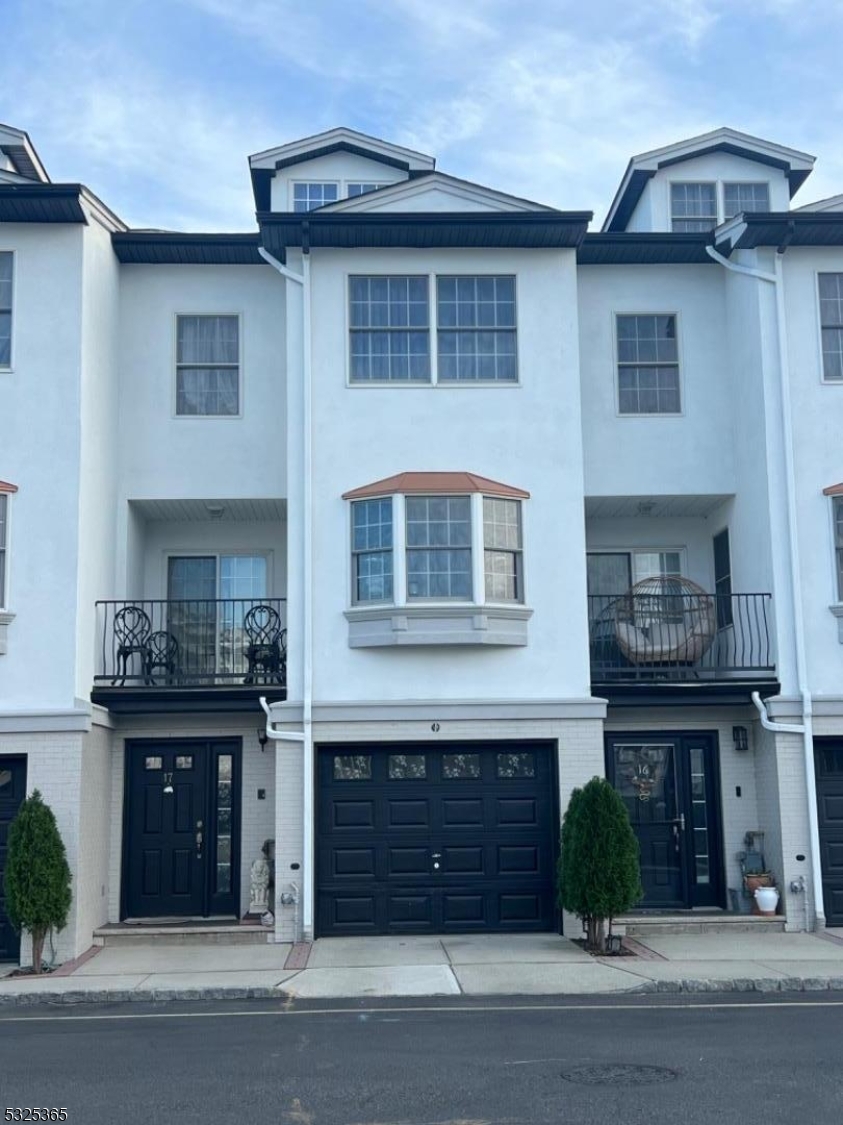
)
(158, 995)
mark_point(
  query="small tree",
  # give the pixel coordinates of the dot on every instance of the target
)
(599, 875)
(37, 876)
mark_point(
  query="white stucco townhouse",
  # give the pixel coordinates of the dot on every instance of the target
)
(377, 530)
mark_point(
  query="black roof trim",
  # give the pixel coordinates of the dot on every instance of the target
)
(22, 161)
(772, 228)
(644, 249)
(262, 188)
(629, 197)
(170, 701)
(41, 203)
(173, 248)
(342, 146)
(541, 229)
(796, 177)
(691, 694)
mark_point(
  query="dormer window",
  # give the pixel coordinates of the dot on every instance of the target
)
(693, 207)
(308, 196)
(745, 197)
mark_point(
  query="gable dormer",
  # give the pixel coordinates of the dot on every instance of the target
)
(697, 184)
(433, 192)
(19, 162)
(328, 167)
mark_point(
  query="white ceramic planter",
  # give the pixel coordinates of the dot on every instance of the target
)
(767, 899)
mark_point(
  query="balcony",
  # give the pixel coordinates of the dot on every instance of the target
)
(176, 655)
(682, 639)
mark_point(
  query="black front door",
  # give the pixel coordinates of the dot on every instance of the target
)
(669, 784)
(12, 793)
(828, 759)
(182, 838)
(452, 838)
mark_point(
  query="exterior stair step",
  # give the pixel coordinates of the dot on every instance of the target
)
(211, 933)
(632, 925)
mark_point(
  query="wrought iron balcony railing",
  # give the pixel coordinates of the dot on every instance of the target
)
(192, 643)
(681, 637)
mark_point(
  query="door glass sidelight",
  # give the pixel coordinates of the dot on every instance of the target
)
(699, 816)
(225, 807)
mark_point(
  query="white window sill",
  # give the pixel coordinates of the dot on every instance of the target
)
(837, 610)
(6, 618)
(464, 624)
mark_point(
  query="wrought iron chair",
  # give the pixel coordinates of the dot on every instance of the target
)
(266, 652)
(161, 655)
(132, 627)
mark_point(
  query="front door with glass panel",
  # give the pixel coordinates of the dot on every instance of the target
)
(669, 784)
(208, 597)
(182, 828)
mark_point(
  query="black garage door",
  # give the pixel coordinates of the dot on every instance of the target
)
(445, 839)
(828, 758)
(12, 793)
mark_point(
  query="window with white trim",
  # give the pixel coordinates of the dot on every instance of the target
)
(476, 328)
(837, 512)
(439, 547)
(371, 550)
(435, 538)
(831, 324)
(207, 365)
(362, 189)
(693, 207)
(745, 197)
(389, 319)
(502, 549)
(4, 543)
(5, 308)
(308, 196)
(648, 364)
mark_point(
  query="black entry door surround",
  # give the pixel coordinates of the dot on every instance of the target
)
(12, 794)
(436, 838)
(181, 839)
(670, 785)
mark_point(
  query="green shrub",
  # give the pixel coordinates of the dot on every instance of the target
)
(37, 876)
(599, 874)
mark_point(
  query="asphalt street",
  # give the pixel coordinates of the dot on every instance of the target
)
(747, 1060)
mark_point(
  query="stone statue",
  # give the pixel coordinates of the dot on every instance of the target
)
(259, 887)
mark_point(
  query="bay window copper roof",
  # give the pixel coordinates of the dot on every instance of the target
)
(833, 490)
(430, 483)
(6, 487)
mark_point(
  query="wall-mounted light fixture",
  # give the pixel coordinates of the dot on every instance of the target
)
(263, 738)
(740, 737)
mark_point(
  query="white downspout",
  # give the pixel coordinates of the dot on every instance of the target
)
(806, 728)
(305, 736)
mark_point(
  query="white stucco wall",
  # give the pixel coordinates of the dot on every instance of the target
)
(162, 455)
(40, 452)
(526, 435)
(627, 455)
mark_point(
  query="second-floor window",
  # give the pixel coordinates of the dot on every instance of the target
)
(207, 365)
(745, 197)
(693, 207)
(648, 365)
(439, 547)
(371, 550)
(361, 189)
(5, 310)
(837, 512)
(308, 196)
(831, 322)
(4, 538)
(389, 321)
(502, 551)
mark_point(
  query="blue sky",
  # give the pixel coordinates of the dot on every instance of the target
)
(156, 104)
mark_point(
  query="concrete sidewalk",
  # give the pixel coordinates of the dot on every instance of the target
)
(487, 965)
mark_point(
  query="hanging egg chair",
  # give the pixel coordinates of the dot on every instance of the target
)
(664, 620)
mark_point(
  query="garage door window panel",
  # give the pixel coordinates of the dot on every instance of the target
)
(407, 767)
(460, 767)
(352, 767)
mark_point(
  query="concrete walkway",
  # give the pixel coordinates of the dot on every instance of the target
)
(488, 965)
